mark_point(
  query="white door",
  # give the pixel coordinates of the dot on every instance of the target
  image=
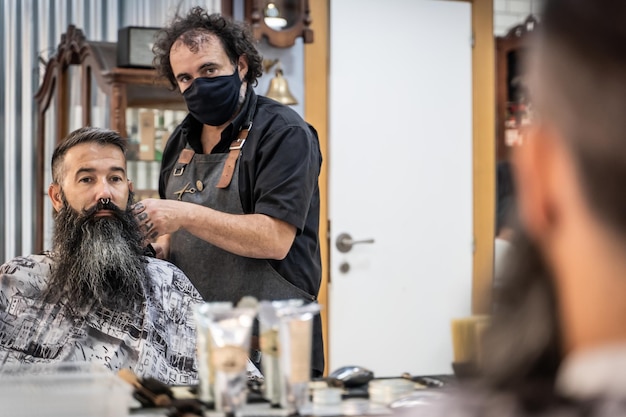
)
(400, 172)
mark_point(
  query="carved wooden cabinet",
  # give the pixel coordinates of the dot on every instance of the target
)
(83, 86)
(513, 107)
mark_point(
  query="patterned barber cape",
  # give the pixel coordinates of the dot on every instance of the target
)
(158, 342)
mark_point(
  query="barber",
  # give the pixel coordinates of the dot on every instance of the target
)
(239, 207)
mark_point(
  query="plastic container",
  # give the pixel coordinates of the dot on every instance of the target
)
(63, 390)
(385, 391)
(327, 396)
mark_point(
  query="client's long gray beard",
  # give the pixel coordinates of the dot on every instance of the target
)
(97, 260)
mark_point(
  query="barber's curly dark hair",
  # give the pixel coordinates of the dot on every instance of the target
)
(236, 39)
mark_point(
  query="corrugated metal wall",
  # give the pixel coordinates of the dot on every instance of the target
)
(30, 31)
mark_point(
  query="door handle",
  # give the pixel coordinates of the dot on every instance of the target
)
(345, 242)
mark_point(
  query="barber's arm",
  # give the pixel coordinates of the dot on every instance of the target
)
(250, 235)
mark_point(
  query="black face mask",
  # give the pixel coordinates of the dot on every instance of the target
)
(213, 101)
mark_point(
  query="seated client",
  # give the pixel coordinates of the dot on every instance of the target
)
(95, 297)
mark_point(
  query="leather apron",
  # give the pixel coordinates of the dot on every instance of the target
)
(219, 275)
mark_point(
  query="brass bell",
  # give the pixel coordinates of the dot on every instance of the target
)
(279, 89)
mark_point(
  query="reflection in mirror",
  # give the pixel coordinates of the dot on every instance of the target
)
(280, 21)
(280, 14)
(273, 18)
(50, 123)
(100, 112)
(74, 77)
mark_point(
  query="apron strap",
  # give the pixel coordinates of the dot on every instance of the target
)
(184, 158)
(235, 147)
(231, 161)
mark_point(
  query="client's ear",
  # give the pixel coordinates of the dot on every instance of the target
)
(54, 192)
(131, 188)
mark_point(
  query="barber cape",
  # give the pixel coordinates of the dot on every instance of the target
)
(158, 342)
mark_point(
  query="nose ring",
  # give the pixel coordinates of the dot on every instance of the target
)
(105, 201)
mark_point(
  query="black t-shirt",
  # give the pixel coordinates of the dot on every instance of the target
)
(278, 176)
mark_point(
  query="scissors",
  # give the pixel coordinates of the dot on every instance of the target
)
(184, 190)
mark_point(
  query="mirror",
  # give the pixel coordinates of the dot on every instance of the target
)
(273, 17)
(50, 132)
(99, 108)
(281, 22)
(75, 114)
(280, 15)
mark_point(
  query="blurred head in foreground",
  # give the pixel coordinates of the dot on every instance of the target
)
(566, 292)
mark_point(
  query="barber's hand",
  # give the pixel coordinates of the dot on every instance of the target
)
(146, 225)
(157, 217)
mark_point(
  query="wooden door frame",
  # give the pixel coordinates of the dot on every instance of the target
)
(484, 153)
(316, 71)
